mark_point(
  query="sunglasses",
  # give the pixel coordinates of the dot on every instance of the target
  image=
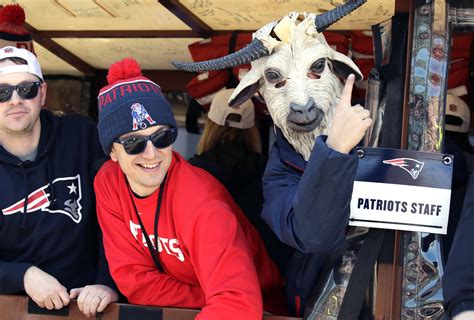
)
(161, 139)
(26, 91)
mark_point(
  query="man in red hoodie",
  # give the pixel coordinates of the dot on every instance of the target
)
(173, 236)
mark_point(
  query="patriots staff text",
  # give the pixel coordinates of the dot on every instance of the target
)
(399, 206)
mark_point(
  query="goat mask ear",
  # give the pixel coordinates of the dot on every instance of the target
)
(247, 87)
(343, 66)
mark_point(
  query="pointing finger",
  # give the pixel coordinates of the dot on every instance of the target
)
(347, 91)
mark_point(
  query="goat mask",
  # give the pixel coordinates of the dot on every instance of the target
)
(296, 72)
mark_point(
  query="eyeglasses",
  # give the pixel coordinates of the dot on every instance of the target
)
(26, 91)
(161, 139)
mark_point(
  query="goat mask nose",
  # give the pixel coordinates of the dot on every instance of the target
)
(302, 108)
(304, 117)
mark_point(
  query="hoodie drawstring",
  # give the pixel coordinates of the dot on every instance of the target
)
(25, 202)
(50, 180)
(25, 181)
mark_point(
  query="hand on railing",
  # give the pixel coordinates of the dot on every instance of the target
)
(45, 289)
(93, 298)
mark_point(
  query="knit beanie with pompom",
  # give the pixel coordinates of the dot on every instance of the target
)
(130, 102)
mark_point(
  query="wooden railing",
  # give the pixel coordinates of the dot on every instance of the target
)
(14, 307)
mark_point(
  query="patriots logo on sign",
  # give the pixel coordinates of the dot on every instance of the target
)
(68, 188)
(139, 115)
(412, 166)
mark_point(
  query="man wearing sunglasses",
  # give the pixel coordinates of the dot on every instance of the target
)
(50, 240)
(173, 236)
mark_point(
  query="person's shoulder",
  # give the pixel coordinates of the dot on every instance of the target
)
(190, 173)
(109, 168)
(77, 129)
(195, 183)
(109, 184)
(68, 123)
(204, 194)
(108, 173)
(76, 121)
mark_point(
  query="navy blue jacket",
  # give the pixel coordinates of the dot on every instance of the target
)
(59, 233)
(458, 281)
(307, 206)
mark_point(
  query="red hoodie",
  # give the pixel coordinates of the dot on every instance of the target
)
(212, 256)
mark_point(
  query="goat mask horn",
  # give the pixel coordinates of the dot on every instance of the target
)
(251, 52)
(324, 20)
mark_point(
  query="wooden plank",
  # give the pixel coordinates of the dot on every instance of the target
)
(170, 80)
(62, 53)
(16, 307)
(187, 17)
(120, 33)
(389, 280)
(402, 6)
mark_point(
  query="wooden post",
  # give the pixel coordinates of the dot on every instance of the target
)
(389, 273)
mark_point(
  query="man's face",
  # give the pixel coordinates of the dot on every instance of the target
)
(145, 171)
(19, 116)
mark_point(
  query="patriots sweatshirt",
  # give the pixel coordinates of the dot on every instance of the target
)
(48, 216)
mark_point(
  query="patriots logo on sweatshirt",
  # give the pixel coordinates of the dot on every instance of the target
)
(412, 166)
(68, 188)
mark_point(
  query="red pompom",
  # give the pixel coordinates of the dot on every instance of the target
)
(12, 14)
(12, 18)
(124, 69)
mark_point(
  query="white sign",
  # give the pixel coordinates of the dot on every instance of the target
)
(400, 207)
(402, 190)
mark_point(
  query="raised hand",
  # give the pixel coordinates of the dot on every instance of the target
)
(45, 289)
(93, 298)
(349, 123)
